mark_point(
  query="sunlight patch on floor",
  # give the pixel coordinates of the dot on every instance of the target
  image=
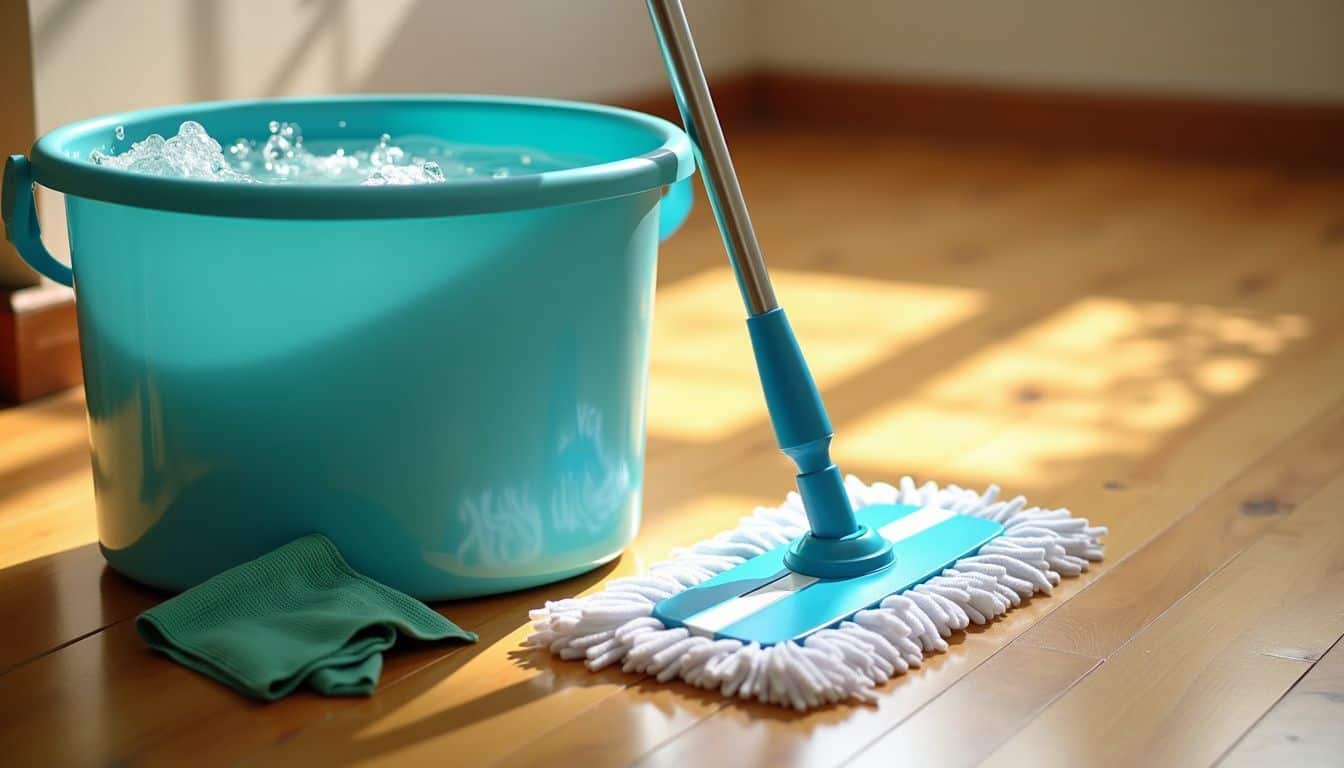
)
(59, 517)
(1100, 377)
(702, 382)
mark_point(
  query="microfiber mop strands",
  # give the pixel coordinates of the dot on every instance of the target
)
(838, 663)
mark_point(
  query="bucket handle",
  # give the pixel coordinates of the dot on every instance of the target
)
(21, 227)
(674, 208)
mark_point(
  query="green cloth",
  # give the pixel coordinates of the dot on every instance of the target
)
(297, 614)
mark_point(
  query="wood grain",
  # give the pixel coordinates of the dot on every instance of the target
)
(1133, 593)
(1306, 726)
(1184, 689)
(1138, 590)
(157, 712)
(961, 726)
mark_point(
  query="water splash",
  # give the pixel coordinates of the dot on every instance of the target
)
(191, 154)
(284, 158)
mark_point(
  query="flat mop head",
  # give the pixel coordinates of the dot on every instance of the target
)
(713, 616)
(762, 601)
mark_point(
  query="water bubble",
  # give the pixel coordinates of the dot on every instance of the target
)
(385, 153)
(340, 123)
(120, 132)
(282, 157)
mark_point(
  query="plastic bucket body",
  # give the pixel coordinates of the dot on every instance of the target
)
(456, 400)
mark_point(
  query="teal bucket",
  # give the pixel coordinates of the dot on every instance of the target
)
(448, 380)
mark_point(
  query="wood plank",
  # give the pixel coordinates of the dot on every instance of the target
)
(44, 476)
(929, 216)
(50, 573)
(961, 726)
(63, 597)
(1131, 595)
(1135, 592)
(982, 242)
(1185, 688)
(635, 720)
(122, 698)
(1306, 726)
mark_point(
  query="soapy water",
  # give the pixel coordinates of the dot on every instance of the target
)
(284, 158)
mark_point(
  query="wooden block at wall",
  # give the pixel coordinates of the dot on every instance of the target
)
(39, 342)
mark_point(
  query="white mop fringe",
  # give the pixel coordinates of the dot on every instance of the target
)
(616, 626)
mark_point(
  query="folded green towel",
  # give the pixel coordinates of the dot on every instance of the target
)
(297, 614)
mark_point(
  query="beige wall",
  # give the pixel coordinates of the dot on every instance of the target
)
(97, 56)
(16, 129)
(1264, 49)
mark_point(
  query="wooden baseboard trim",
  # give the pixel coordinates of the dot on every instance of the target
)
(736, 99)
(1283, 133)
(1303, 136)
(39, 342)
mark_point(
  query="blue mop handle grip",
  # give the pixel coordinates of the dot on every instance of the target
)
(801, 425)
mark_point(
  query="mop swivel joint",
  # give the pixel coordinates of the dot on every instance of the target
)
(837, 546)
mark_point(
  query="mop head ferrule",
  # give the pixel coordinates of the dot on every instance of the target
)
(726, 615)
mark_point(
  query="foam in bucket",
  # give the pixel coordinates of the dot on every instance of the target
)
(283, 157)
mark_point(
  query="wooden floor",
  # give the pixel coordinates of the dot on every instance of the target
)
(1157, 346)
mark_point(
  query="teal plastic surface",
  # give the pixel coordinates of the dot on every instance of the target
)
(796, 411)
(836, 546)
(455, 399)
(20, 218)
(827, 602)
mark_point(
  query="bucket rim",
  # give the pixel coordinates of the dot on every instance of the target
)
(63, 170)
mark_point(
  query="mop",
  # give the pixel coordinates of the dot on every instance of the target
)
(845, 584)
